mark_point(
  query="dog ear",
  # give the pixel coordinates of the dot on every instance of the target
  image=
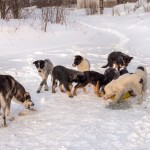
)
(131, 58)
(27, 95)
(35, 62)
(77, 56)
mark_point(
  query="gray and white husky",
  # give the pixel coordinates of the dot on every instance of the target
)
(10, 88)
(44, 68)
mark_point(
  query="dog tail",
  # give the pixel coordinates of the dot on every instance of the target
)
(105, 66)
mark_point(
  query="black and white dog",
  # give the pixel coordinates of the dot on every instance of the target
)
(118, 58)
(81, 63)
(44, 68)
(10, 88)
(65, 77)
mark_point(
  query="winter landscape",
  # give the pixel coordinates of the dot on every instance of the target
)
(82, 122)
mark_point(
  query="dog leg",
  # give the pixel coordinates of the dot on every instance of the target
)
(54, 86)
(68, 90)
(46, 85)
(41, 85)
(79, 86)
(11, 118)
(70, 87)
(61, 88)
(0, 109)
(84, 90)
(138, 92)
(96, 89)
(3, 104)
(118, 97)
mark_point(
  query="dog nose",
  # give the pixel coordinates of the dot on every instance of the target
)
(39, 70)
(32, 104)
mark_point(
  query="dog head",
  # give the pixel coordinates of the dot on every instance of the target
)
(110, 74)
(39, 64)
(27, 100)
(123, 70)
(78, 59)
(126, 60)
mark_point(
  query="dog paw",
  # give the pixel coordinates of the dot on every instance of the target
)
(46, 89)
(71, 96)
(38, 91)
(11, 118)
(75, 94)
(63, 91)
(4, 125)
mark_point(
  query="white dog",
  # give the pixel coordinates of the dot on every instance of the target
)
(135, 82)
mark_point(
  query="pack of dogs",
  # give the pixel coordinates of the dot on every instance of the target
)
(115, 81)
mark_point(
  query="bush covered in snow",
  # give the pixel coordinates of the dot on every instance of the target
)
(141, 6)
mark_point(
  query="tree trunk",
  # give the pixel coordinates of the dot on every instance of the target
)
(15, 9)
(3, 9)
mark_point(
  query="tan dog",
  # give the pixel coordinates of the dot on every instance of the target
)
(135, 82)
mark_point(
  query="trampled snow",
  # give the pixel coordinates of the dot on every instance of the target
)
(82, 122)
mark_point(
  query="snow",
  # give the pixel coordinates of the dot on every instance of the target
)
(83, 122)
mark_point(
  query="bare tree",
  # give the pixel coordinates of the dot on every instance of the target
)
(12, 6)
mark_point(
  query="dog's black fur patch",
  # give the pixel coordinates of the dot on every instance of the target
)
(140, 67)
(110, 74)
(39, 64)
(78, 59)
(118, 58)
(123, 71)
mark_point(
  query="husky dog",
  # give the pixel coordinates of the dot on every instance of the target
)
(10, 88)
(119, 58)
(81, 63)
(135, 82)
(65, 77)
(44, 68)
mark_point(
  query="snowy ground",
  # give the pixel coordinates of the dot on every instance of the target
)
(84, 122)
